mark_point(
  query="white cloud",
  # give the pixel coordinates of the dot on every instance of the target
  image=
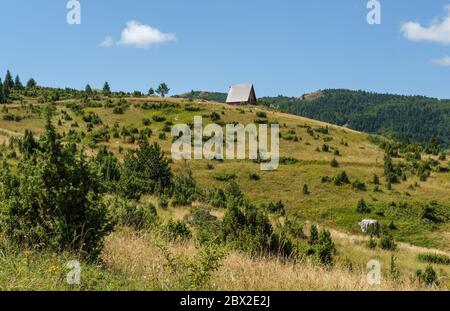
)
(140, 35)
(437, 31)
(107, 42)
(444, 61)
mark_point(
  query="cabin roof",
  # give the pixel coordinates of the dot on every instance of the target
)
(239, 93)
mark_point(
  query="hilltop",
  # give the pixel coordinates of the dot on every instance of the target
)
(415, 118)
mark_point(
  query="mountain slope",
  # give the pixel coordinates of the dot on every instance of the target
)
(416, 118)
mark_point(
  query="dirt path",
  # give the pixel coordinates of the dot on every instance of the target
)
(405, 246)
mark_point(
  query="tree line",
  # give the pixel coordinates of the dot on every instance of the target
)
(13, 89)
(415, 118)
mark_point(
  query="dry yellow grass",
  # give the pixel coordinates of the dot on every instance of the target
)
(137, 256)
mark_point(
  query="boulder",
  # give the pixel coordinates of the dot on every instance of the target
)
(366, 223)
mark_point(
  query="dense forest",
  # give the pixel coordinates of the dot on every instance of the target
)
(414, 118)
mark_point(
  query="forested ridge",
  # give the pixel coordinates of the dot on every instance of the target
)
(416, 118)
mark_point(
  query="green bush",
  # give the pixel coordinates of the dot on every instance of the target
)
(357, 185)
(118, 110)
(376, 179)
(325, 248)
(288, 160)
(430, 212)
(247, 228)
(253, 176)
(371, 243)
(128, 213)
(207, 225)
(305, 190)
(224, 176)
(341, 179)
(261, 114)
(313, 235)
(440, 259)
(163, 202)
(428, 277)
(185, 188)
(275, 207)
(362, 207)
(334, 163)
(387, 242)
(321, 246)
(176, 230)
(294, 228)
(158, 118)
(40, 210)
(145, 171)
(216, 197)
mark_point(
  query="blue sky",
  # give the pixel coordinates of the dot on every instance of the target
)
(287, 47)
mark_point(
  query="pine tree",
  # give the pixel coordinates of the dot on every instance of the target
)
(6, 91)
(334, 163)
(151, 92)
(145, 171)
(9, 80)
(313, 235)
(18, 84)
(28, 145)
(41, 211)
(106, 89)
(31, 84)
(88, 90)
(2, 96)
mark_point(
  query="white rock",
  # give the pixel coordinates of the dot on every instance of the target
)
(365, 223)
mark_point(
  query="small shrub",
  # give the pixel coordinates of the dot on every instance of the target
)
(341, 179)
(261, 114)
(325, 179)
(176, 230)
(136, 216)
(357, 185)
(324, 248)
(216, 197)
(392, 226)
(163, 202)
(118, 110)
(157, 118)
(225, 176)
(362, 207)
(387, 242)
(185, 187)
(288, 160)
(428, 277)
(334, 163)
(253, 176)
(376, 179)
(275, 208)
(305, 190)
(371, 243)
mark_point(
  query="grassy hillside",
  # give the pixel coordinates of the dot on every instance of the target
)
(135, 260)
(204, 95)
(416, 118)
